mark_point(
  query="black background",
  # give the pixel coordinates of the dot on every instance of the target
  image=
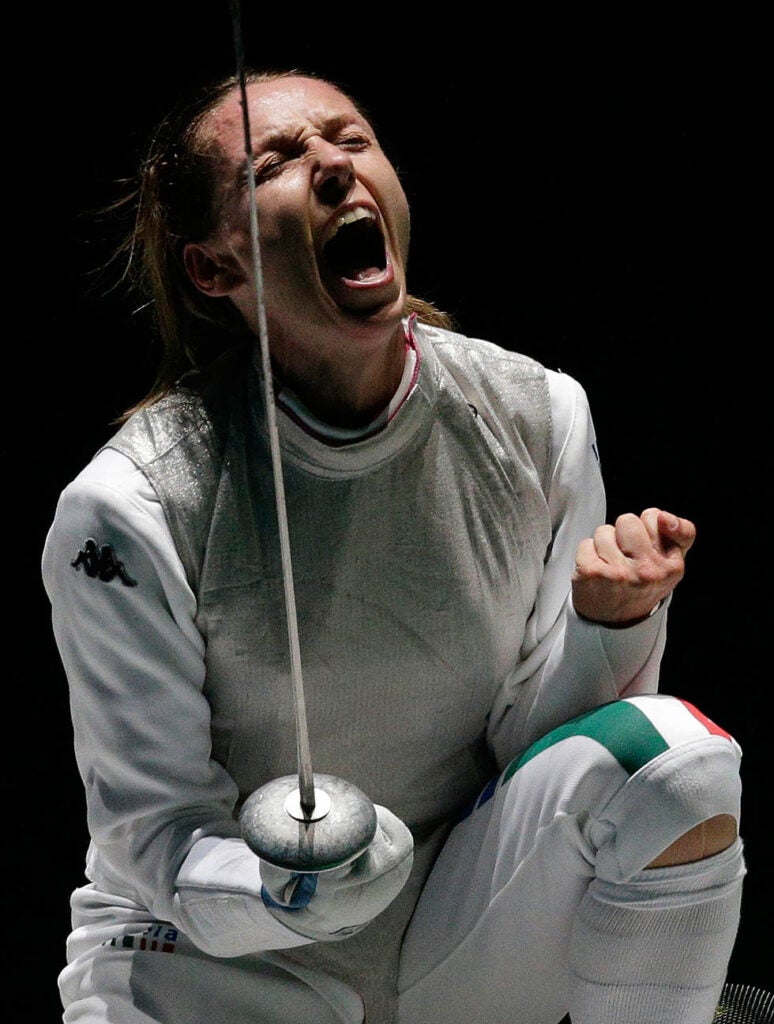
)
(590, 194)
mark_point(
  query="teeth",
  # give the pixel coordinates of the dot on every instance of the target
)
(350, 216)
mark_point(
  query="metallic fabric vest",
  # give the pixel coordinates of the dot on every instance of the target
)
(417, 554)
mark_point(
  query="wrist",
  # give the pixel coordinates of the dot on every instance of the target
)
(622, 623)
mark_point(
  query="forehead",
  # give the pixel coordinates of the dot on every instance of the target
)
(281, 107)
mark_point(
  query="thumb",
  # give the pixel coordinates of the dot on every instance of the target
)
(668, 531)
(676, 532)
(286, 889)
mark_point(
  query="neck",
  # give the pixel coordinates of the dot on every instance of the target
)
(350, 391)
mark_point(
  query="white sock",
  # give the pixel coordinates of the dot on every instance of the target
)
(655, 950)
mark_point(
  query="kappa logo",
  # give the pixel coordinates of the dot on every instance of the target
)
(100, 562)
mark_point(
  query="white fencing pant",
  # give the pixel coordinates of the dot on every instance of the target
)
(596, 799)
(490, 941)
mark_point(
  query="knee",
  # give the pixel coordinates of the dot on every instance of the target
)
(681, 801)
(703, 840)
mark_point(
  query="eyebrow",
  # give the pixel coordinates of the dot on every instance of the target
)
(278, 136)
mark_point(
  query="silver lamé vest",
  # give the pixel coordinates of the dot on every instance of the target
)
(417, 554)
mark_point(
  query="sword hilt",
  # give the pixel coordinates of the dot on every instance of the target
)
(276, 828)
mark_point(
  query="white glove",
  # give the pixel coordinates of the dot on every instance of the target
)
(334, 904)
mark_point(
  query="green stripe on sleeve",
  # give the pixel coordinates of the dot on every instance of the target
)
(626, 731)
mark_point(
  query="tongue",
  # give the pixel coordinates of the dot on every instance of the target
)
(364, 274)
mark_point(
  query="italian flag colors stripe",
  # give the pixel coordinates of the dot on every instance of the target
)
(140, 942)
(634, 730)
(676, 719)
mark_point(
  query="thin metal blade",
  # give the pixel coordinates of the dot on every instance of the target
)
(304, 756)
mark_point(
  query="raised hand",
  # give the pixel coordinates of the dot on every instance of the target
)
(625, 570)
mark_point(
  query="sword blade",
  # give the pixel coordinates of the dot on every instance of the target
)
(303, 750)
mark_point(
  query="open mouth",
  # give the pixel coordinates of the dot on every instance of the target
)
(355, 253)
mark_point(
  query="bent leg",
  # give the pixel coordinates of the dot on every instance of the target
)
(703, 840)
(656, 949)
(654, 944)
(591, 804)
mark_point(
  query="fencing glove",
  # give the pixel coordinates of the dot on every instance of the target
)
(334, 904)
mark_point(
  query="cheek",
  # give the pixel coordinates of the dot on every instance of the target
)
(232, 239)
(286, 256)
(283, 258)
(283, 217)
(397, 205)
(404, 226)
(287, 261)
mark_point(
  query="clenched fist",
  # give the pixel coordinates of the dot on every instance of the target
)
(625, 570)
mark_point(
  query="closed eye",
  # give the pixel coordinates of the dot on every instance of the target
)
(277, 154)
(268, 169)
(284, 150)
(353, 142)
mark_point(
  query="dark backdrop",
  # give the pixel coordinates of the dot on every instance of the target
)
(588, 194)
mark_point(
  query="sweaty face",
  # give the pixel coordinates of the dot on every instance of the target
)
(333, 217)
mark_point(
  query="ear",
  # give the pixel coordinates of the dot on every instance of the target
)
(212, 274)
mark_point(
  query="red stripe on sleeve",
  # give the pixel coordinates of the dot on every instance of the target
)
(708, 724)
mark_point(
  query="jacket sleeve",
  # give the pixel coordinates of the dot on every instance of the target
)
(160, 809)
(569, 665)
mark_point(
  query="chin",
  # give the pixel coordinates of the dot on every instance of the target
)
(378, 315)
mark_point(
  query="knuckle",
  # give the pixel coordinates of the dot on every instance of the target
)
(650, 573)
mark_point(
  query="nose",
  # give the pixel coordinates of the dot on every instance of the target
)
(334, 174)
